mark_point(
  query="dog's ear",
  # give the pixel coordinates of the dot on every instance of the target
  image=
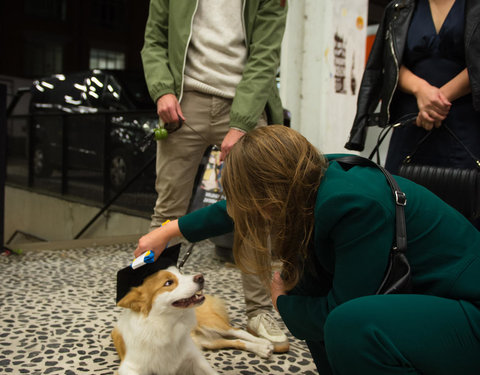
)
(134, 300)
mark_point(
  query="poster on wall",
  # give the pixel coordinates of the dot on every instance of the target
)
(345, 42)
(348, 38)
(323, 58)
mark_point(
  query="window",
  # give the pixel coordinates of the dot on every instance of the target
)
(106, 59)
(53, 9)
(42, 59)
(109, 13)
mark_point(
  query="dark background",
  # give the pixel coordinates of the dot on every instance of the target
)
(42, 37)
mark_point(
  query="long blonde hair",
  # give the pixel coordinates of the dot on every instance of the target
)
(270, 179)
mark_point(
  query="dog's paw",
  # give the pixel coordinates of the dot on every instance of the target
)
(265, 349)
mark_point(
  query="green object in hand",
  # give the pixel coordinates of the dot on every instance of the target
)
(160, 133)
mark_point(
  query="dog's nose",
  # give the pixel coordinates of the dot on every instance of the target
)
(199, 279)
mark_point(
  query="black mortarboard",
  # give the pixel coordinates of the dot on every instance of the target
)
(128, 277)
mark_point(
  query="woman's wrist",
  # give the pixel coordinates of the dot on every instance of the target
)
(171, 229)
(409, 82)
(158, 239)
(419, 85)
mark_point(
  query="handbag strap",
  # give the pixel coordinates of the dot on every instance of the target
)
(409, 157)
(400, 197)
(407, 119)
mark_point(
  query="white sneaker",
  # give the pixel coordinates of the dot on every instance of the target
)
(265, 326)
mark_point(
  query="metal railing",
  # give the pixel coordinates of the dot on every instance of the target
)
(81, 169)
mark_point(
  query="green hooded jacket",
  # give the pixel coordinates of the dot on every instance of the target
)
(168, 33)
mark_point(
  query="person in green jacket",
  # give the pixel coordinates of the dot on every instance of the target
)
(213, 65)
(334, 229)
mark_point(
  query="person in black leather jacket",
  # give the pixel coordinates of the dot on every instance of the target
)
(381, 76)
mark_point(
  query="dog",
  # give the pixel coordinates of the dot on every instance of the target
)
(168, 320)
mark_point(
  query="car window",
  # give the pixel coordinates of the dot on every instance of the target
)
(104, 92)
(90, 92)
(134, 88)
(114, 95)
(94, 87)
(59, 93)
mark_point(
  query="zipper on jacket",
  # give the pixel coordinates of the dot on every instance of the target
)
(392, 50)
(186, 50)
(243, 24)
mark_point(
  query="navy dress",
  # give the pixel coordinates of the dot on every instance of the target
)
(437, 58)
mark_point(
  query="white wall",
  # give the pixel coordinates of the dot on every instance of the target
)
(55, 219)
(323, 58)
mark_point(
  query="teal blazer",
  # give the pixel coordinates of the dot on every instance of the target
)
(354, 231)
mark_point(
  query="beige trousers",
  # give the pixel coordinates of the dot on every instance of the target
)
(178, 158)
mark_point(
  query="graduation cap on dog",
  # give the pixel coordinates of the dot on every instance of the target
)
(130, 277)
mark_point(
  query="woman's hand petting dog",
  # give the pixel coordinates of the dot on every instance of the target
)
(277, 288)
(157, 239)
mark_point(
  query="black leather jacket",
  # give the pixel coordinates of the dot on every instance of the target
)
(381, 72)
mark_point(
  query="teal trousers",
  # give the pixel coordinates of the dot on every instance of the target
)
(400, 334)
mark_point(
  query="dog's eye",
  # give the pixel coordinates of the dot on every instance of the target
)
(168, 283)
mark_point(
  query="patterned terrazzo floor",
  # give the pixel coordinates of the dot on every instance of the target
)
(57, 309)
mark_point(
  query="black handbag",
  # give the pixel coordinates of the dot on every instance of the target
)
(460, 188)
(398, 276)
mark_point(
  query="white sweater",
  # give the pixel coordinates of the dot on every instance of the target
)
(217, 51)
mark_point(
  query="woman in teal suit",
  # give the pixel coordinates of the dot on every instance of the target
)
(332, 229)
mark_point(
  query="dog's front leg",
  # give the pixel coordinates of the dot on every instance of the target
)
(202, 367)
(127, 369)
(196, 364)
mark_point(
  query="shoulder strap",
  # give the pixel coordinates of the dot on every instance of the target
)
(400, 198)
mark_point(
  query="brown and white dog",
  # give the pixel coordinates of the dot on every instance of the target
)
(163, 327)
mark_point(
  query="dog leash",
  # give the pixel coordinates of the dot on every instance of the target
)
(214, 146)
(171, 127)
(185, 256)
(149, 140)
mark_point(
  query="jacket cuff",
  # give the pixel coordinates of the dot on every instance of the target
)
(241, 122)
(159, 90)
(237, 128)
(354, 146)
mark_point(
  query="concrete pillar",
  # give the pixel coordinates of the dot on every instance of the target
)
(3, 160)
(323, 58)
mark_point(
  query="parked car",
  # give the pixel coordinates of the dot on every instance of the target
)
(78, 109)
